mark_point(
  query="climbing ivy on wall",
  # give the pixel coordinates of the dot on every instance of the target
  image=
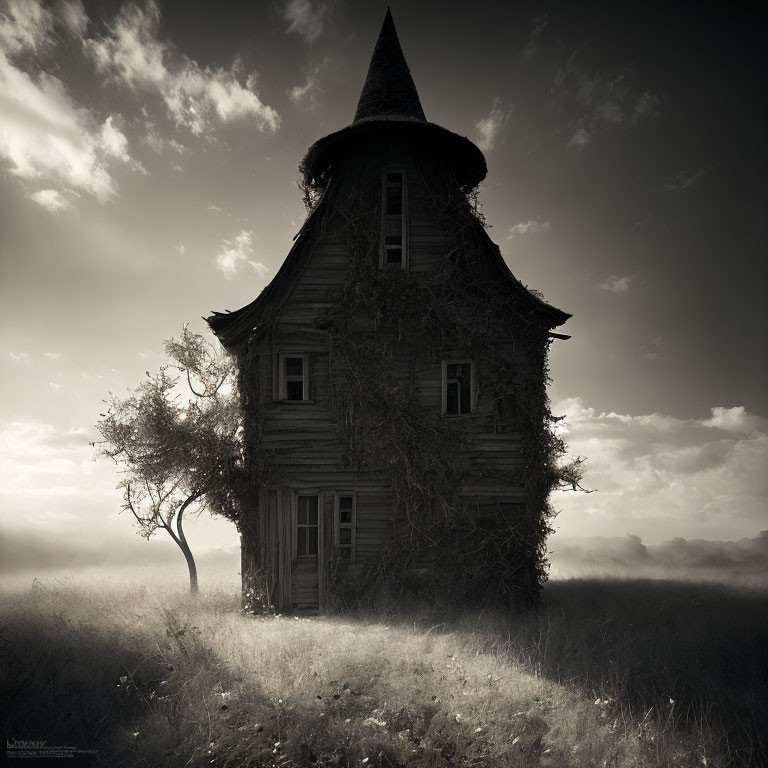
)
(382, 316)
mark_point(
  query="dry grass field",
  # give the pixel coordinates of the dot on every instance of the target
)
(605, 673)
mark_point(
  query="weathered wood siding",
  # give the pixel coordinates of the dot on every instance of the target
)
(302, 439)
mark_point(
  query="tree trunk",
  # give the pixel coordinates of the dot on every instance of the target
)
(250, 572)
(182, 542)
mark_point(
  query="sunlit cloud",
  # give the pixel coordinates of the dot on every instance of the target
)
(180, 248)
(305, 18)
(45, 135)
(655, 472)
(21, 357)
(615, 284)
(736, 419)
(196, 97)
(25, 25)
(235, 253)
(528, 228)
(113, 140)
(36, 459)
(73, 16)
(52, 355)
(51, 200)
(260, 268)
(489, 127)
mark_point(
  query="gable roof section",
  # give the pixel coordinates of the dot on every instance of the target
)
(235, 328)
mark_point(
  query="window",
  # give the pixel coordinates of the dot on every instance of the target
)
(458, 386)
(294, 377)
(395, 219)
(307, 525)
(346, 525)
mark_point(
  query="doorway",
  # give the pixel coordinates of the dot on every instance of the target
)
(305, 593)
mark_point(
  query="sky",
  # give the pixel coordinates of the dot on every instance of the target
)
(148, 168)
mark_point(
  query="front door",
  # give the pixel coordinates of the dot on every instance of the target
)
(304, 573)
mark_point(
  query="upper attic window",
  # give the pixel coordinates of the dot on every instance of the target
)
(294, 377)
(394, 247)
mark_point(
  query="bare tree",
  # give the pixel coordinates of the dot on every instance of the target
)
(177, 439)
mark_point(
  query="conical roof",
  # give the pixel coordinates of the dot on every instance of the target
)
(389, 101)
(389, 88)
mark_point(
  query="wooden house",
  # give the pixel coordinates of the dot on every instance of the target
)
(393, 376)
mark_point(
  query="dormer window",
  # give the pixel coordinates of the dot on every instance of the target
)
(458, 386)
(294, 377)
(394, 251)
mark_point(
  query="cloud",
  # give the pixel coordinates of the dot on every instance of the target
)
(299, 92)
(157, 143)
(736, 420)
(651, 351)
(45, 135)
(305, 18)
(528, 228)
(662, 475)
(531, 46)
(180, 247)
(598, 102)
(646, 106)
(39, 461)
(27, 358)
(306, 94)
(683, 180)
(678, 557)
(235, 253)
(262, 269)
(615, 284)
(51, 200)
(107, 547)
(195, 97)
(27, 25)
(489, 127)
(73, 16)
(580, 139)
(113, 141)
